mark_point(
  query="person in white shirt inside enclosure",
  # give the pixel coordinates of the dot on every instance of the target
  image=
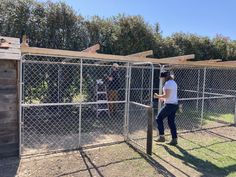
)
(170, 108)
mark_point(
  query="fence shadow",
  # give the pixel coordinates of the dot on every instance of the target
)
(161, 169)
(91, 166)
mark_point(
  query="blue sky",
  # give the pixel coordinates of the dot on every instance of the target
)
(202, 17)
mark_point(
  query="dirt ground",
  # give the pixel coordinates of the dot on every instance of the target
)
(124, 160)
(115, 160)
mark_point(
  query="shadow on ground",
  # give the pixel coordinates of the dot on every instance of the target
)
(9, 166)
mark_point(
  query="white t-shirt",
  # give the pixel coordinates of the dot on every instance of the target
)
(172, 86)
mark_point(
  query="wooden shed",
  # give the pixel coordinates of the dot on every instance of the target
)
(10, 55)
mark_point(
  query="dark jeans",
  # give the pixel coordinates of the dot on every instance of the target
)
(169, 111)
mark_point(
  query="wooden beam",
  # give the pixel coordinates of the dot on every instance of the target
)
(95, 56)
(24, 41)
(92, 49)
(203, 64)
(143, 54)
(209, 61)
(229, 62)
(179, 60)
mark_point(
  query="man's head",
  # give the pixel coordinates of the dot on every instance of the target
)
(115, 66)
(166, 75)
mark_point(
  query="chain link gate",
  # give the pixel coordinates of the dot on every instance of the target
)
(140, 101)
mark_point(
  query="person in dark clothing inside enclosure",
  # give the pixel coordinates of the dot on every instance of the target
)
(113, 86)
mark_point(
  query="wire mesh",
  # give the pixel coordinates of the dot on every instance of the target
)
(206, 99)
(140, 95)
(220, 90)
(68, 103)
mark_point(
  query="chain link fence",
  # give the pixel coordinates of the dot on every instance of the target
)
(69, 103)
(206, 96)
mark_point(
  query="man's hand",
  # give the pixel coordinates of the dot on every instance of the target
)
(156, 95)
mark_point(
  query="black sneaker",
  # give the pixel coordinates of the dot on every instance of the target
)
(173, 142)
(161, 139)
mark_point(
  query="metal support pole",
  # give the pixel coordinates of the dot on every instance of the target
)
(20, 79)
(141, 101)
(198, 89)
(58, 88)
(80, 106)
(149, 131)
(150, 118)
(203, 96)
(235, 112)
(160, 88)
(126, 101)
(58, 84)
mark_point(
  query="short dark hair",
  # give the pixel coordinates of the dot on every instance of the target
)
(165, 74)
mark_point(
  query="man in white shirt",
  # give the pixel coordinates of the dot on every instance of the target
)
(170, 108)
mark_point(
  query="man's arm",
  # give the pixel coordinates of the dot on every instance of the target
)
(165, 95)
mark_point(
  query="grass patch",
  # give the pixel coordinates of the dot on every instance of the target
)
(200, 154)
(228, 118)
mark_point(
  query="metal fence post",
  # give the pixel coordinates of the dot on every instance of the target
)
(127, 99)
(150, 118)
(142, 89)
(235, 112)
(20, 102)
(203, 95)
(160, 87)
(80, 106)
(149, 131)
(198, 89)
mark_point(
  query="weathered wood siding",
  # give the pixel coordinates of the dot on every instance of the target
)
(9, 124)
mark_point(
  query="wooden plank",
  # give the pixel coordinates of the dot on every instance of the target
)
(208, 61)
(8, 128)
(13, 46)
(10, 50)
(142, 54)
(10, 56)
(216, 64)
(92, 49)
(8, 81)
(12, 40)
(8, 98)
(7, 64)
(8, 107)
(9, 138)
(7, 73)
(8, 87)
(230, 62)
(95, 56)
(9, 150)
(178, 59)
(8, 116)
